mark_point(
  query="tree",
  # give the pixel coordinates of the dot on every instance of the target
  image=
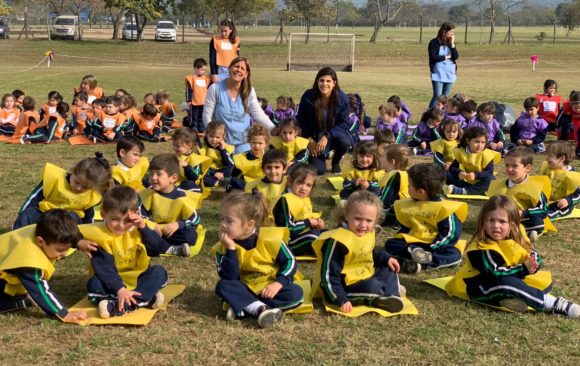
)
(117, 10)
(385, 11)
(569, 16)
(308, 9)
(285, 16)
(4, 9)
(492, 8)
(458, 14)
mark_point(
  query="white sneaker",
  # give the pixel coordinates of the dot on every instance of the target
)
(268, 316)
(450, 189)
(159, 300)
(566, 308)
(533, 236)
(421, 255)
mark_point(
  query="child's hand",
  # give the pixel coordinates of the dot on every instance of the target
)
(462, 175)
(393, 264)
(346, 307)
(528, 142)
(563, 203)
(493, 145)
(364, 184)
(137, 220)
(222, 144)
(219, 176)
(317, 223)
(290, 163)
(423, 146)
(225, 239)
(170, 229)
(75, 132)
(183, 163)
(75, 316)
(470, 176)
(499, 145)
(87, 246)
(270, 291)
(158, 230)
(125, 296)
(531, 264)
(446, 167)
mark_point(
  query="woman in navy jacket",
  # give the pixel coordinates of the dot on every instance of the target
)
(442, 56)
(323, 119)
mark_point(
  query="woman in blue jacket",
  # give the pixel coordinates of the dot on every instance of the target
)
(442, 56)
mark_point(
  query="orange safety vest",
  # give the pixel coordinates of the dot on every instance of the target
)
(198, 85)
(225, 50)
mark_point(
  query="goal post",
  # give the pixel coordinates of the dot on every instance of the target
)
(323, 49)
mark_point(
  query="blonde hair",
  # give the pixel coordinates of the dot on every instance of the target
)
(400, 154)
(248, 206)
(359, 197)
(259, 129)
(90, 80)
(390, 109)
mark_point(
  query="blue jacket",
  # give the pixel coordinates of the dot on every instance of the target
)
(307, 117)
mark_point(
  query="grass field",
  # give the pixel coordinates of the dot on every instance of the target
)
(192, 330)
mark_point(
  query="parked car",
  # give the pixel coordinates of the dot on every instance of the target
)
(165, 30)
(4, 30)
(65, 26)
(131, 32)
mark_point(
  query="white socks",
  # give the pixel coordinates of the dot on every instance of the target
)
(549, 302)
(252, 309)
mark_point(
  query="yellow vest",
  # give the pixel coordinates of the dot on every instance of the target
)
(58, 194)
(564, 182)
(445, 148)
(471, 163)
(251, 169)
(358, 262)
(258, 267)
(371, 175)
(130, 254)
(300, 208)
(422, 217)
(194, 160)
(404, 182)
(131, 177)
(165, 210)
(526, 194)
(271, 192)
(214, 154)
(18, 249)
(512, 253)
(289, 148)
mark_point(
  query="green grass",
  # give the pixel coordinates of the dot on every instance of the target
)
(192, 330)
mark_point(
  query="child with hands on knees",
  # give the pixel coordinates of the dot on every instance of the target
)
(255, 265)
(565, 182)
(529, 129)
(350, 271)
(502, 269)
(192, 165)
(365, 173)
(132, 166)
(443, 148)
(214, 146)
(427, 130)
(109, 124)
(290, 142)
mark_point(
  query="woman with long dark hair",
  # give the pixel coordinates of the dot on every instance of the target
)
(442, 57)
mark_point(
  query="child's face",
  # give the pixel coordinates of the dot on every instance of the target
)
(555, 162)
(257, 145)
(361, 218)
(79, 183)
(52, 102)
(149, 100)
(365, 160)
(281, 106)
(441, 105)
(304, 187)
(118, 223)
(53, 251)
(532, 112)
(435, 122)
(468, 115)
(79, 103)
(111, 109)
(163, 100)
(450, 108)
(215, 137)
(497, 224)
(486, 117)
(85, 87)
(288, 134)
(477, 144)
(20, 100)
(9, 103)
(232, 223)
(124, 106)
(382, 148)
(96, 107)
(417, 194)
(161, 181)
(225, 31)
(200, 71)
(551, 90)
(576, 107)
(182, 147)
(451, 132)
(516, 170)
(387, 118)
(274, 171)
(131, 157)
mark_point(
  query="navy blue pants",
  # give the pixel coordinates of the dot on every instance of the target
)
(492, 290)
(9, 302)
(446, 256)
(341, 144)
(181, 236)
(196, 120)
(301, 244)
(479, 187)
(31, 215)
(533, 223)
(143, 135)
(238, 295)
(148, 283)
(209, 180)
(191, 186)
(384, 283)
(237, 183)
(7, 129)
(554, 212)
(101, 137)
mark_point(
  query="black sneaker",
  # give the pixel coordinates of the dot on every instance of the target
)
(392, 304)
(268, 316)
(179, 250)
(566, 308)
(410, 266)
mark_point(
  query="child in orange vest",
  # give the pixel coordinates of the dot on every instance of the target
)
(195, 90)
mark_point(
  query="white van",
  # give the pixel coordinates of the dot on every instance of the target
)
(65, 26)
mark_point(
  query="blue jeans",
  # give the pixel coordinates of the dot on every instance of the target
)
(439, 88)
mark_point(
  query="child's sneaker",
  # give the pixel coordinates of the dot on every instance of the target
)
(157, 301)
(179, 250)
(106, 308)
(421, 255)
(268, 316)
(566, 308)
(392, 304)
(450, 189)
(231, 314)
(533, 236)
(402, 291)
(515, 305)
(410, 266)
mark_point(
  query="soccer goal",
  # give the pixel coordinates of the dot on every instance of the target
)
(322, 49)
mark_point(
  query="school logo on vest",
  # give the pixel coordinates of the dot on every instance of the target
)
(109, 123)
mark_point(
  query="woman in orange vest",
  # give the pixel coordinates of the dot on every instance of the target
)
(223, 48)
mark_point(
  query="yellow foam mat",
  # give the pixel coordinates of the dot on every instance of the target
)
(574, 215)
(194, 250)
(336, 182)
(468, 197)
(336, 199)
(141, 316)
(306, 258)
(408, 309)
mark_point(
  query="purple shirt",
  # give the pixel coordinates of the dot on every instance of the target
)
(424, 133)
(281, 115)
(398, 128)
(493, 129)
(406, 114)
(456, 117)
(529, 127)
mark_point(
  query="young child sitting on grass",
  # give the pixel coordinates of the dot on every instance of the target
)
(248, 165)
(132, 166)
(565, 182)
(214, 146)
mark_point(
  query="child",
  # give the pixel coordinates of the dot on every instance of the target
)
(192, 165)
(485, 119)
(80, 114)
(290, 142)
(167, 110)
(171, 208)
(530, 193)
(27, 259)
(147, 124)
(267, 108)
(356, 128)
(565, 183)
(294, 210)
(52, 128)
(195, 91)
(472, 169)
(248, 165)
(283, 109)
(128, 106)
(149, 98)
(54, 98)
(214, 146)
(9, 114)
(19, 96)
(395, 184)
(550, 103)
(529, 129)
(404, 114)
(569, 120)
(110, 123)
(388, 121)
(468, 110)
(451, 134)
(98, 105)
(28, 121)
(349, 270)
(383, 139)
(442, 102)
(121, 279)
(131, 166)
(502, 269)
(223, 48)
(119, 93)
(365, 172)
(430, 225)
(89, 86)
(452, 111)
(77, 192)
(255, 266)
(426, 131)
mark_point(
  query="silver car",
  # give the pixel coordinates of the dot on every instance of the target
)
(4, 30)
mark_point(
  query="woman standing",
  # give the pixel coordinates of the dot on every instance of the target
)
(231, 101)
(442, 56)
(223, 48)
(323, 118)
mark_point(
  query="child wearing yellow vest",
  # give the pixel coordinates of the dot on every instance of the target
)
(248, 165)
(77, 192)
(27, 257)
(214, 146)
(350, 271)
(171, 208)
(365, 172)
(395, 184)
(223, 48)
(443, 148)
(195, 91)
(121, 279)
(530, 193)
(294, 210)
(430, 225)
(290, 142)
(192, 165)
(147, 124)
(255, 266)
(132, 166)
(502, 269)
(565, 182)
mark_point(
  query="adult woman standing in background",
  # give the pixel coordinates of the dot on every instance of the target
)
(442, 56)
(223, 48)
